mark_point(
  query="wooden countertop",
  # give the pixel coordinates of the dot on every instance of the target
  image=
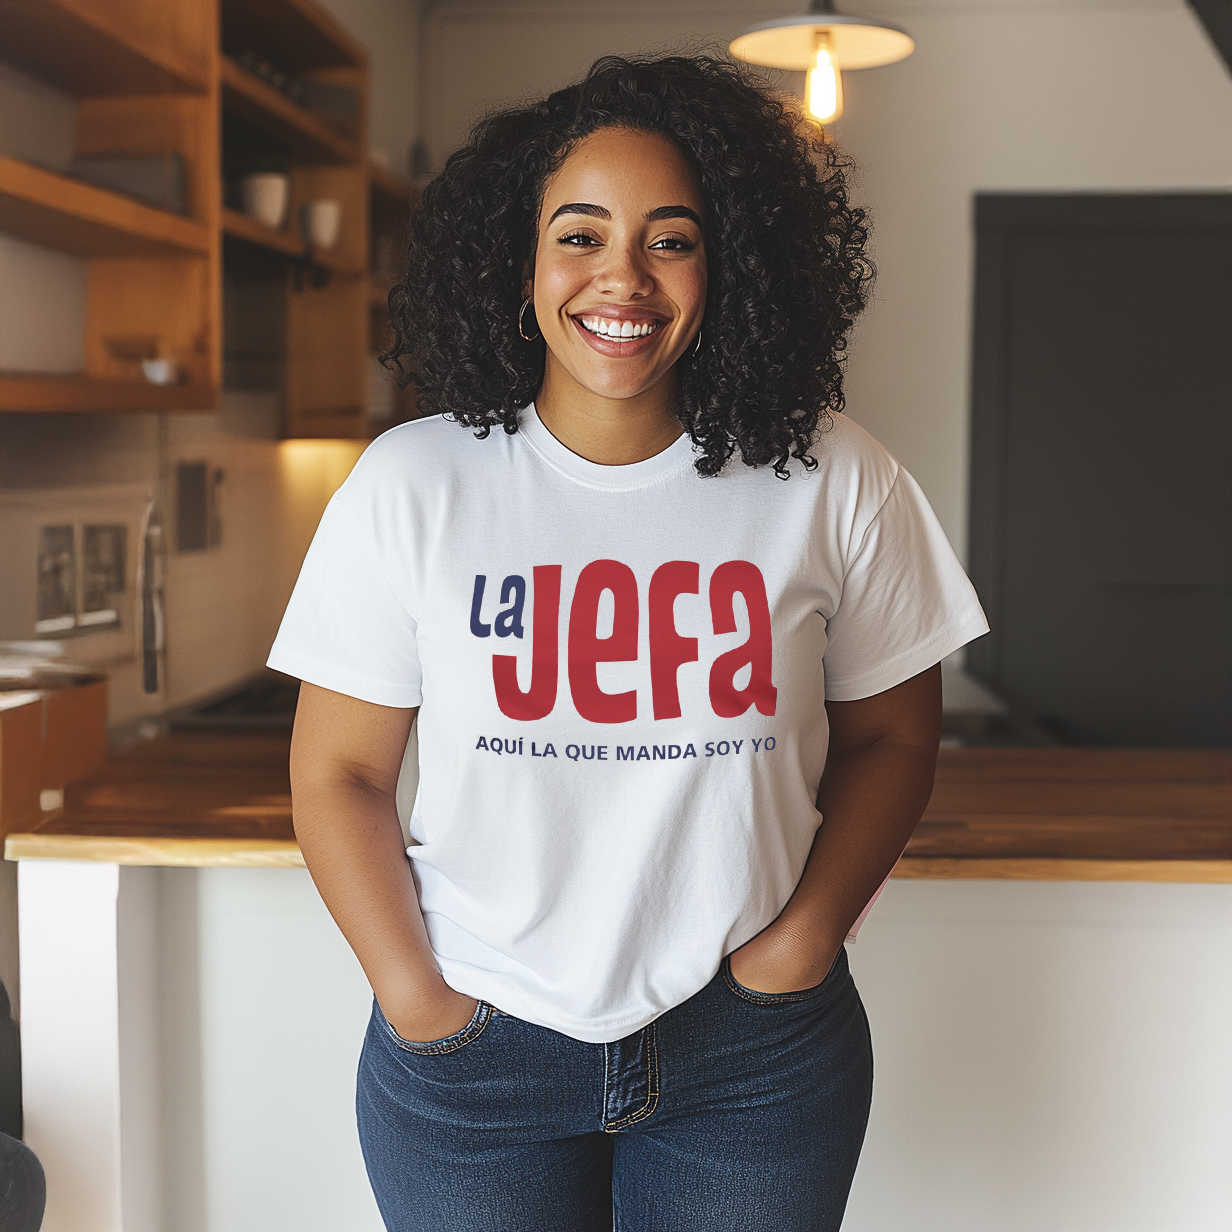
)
(192, 798)
(1023, 814)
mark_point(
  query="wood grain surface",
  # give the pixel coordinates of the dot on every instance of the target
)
(1028, 814)
(73, 216)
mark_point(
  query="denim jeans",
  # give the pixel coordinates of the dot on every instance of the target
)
(736, 1110)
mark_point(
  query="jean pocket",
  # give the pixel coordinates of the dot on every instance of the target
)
(786, 998)
(483, 1015)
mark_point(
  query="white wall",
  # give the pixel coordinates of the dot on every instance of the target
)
(283, 1009)
(224, 605)
(1049, 1058)
(1031, 95)
(479, 55)
(192, 1038)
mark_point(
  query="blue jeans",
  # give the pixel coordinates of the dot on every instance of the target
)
(736, 1110)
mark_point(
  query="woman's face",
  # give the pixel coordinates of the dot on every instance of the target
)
(620, 269)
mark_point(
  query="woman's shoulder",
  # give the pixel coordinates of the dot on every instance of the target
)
(854, 470)
(420, 442)
(419, 454)
(843, 448)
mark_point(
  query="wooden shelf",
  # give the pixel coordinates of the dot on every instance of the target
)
(307, 139)
(152, 77)
(83, 49)
(294, 33)
(59, 392)
(240, 227)
(58, 212)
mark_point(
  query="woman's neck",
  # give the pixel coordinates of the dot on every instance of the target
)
(609, 431)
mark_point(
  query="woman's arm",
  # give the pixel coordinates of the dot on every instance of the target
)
(345, 758)
(878, 778)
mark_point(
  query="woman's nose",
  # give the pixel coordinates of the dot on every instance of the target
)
(624, 274)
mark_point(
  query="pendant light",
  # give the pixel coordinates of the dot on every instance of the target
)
(822, 42)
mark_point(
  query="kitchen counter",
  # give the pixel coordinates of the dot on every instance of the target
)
(197, 799)
(1051, 814)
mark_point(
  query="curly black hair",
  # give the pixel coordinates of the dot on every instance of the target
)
(788, 268)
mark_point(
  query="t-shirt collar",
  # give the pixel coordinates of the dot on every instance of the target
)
(676, 457)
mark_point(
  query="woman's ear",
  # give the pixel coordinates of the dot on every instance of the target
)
(528, 281)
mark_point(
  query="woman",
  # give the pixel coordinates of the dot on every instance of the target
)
(654, 629)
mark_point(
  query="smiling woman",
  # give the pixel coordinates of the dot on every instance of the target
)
(738, 191)
(610, 980)
(619, 275)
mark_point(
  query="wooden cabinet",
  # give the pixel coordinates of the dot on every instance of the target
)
(218, 88)
(144, 74)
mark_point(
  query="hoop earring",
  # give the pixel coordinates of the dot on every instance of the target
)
(521, 314)
(697, 346)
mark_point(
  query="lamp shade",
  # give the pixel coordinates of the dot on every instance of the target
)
(791, 42)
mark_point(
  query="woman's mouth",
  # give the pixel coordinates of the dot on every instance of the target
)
(609, 327)
(618, 338)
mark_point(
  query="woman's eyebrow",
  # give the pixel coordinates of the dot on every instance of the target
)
(664, 212)
(581, 207)
(658, 214)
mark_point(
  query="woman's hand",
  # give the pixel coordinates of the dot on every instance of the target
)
(432, 1015)
(778, 961)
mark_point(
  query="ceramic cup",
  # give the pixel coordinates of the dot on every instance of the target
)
(159, 371)
(265, 197)
(320, 221)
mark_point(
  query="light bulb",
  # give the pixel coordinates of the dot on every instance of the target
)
(825, 85)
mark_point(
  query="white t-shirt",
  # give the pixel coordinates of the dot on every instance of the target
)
(621, 674)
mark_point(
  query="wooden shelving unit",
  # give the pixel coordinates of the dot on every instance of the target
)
(239, 226)
(95, 50)
(145, 74)
(299, 32)
(325, 295)
(197, 79)
(57, 392)
(306, 139)
(72, 216)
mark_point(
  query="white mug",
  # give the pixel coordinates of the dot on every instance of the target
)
(265, 197)
(320, 221)
(160, 371)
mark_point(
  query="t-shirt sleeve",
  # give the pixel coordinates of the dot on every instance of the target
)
(906, 602)
(345, 629)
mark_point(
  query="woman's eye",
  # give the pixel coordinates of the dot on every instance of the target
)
(673, 243)
(579, 239)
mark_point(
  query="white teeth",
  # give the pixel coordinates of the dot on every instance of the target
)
(606, 328)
